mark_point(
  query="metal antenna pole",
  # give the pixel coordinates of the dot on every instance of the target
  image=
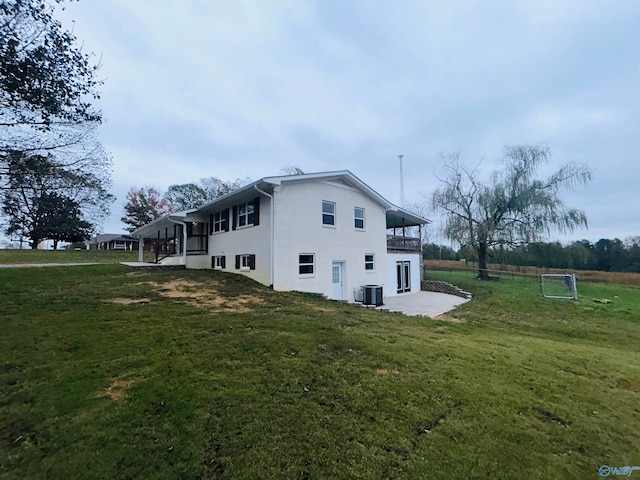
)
(401, 182)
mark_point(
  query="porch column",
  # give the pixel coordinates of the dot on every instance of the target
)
(141, 249)
(184, 244)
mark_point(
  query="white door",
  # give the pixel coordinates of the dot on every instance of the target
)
(337, 279)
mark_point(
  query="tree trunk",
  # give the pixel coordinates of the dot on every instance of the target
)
(482, 261)
(55, 244)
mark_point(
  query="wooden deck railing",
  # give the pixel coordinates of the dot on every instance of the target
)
(407, 244)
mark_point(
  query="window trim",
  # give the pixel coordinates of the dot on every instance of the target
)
(332, 215)
(218, 222)
(356, 218)
(248, 216)
(245, 262)
(371, 262)
(307, 264)
(219, 262)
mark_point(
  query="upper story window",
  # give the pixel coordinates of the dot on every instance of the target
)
(221, 221)
(246, 215)
(328, 213)
(358, 217)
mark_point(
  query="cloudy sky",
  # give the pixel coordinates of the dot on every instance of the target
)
(239, 89)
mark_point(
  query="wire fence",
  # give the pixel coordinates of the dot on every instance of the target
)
(596, 287)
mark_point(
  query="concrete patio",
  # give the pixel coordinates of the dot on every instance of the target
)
(422, 304)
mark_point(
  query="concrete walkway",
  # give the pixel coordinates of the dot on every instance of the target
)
(422, 304)
(42, 265)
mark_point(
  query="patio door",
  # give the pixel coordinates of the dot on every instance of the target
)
(337, 281)
(403, 271)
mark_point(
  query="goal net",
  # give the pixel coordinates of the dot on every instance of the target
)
(558, 285)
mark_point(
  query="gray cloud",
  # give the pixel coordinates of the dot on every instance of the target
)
(237, 89)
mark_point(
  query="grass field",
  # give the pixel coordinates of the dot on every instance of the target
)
(106, 373)
(13, 256)
(594, 276)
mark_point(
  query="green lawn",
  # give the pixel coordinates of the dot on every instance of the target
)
(12, 256)
(107, 373)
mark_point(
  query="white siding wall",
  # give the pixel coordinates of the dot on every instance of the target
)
(245, 240)
(392, 281)
(198, 261)
(299, 230)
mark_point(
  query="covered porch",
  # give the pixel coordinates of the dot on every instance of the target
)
(174, 236)
(404, 231)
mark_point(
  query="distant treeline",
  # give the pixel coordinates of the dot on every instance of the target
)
(605, 255)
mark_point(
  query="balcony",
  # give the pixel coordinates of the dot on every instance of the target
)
(397, 243)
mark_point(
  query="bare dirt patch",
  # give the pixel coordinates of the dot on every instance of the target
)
(129, 301)
(386, 371)
(205, 295)
(322, 309)
(118, 389)
(449, 318)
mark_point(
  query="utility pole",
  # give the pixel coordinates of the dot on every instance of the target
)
(401, 182)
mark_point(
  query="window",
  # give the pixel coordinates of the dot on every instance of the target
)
(245, 214)
(306, 263)
(221, 221)
(245, 262)
(358, 215)
(219, 262)
(369, 262)
(328, 213)
(197, 237)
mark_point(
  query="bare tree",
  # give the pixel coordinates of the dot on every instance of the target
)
(514, 208)
(292, 170)
(194, 195)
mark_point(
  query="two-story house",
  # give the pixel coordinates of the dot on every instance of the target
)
(326, 233)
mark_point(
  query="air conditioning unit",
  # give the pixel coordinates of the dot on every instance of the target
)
(372, 295)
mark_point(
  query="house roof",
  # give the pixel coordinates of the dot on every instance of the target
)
(396, 216)
(108, 237)
(170, 219)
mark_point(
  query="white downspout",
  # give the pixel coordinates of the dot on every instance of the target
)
(184, 240)
(271, 246)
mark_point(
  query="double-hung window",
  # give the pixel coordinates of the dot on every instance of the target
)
(328, 213)
(369, 262)
(358, 218)
(246, 214)
(219, 221)
(306, 264)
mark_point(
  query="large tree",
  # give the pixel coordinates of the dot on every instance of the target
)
(39, 191)
(193, 195)
(143, 206)
(47, 86)
(45, 79)
(513, 208)
(62, 220)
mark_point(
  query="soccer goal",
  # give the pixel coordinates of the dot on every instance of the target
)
(558, 285)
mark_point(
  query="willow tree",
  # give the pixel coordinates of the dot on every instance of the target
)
(513, 208)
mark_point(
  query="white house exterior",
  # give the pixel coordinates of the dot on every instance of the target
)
(323, 233)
